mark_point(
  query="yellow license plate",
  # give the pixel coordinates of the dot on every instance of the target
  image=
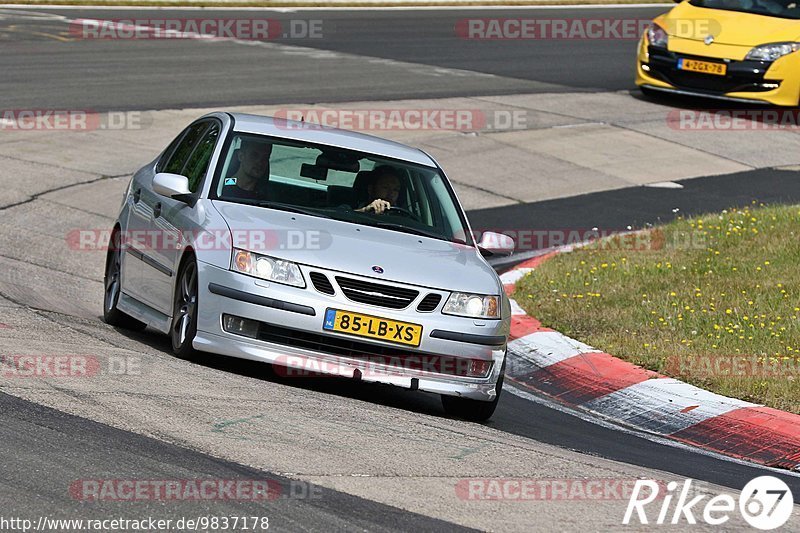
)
(373, 327)
(706, 67)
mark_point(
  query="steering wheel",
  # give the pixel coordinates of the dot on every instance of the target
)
(402, 211)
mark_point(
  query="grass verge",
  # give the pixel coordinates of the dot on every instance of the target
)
(713, 300)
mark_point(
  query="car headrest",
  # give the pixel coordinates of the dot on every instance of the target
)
(361, 185)
(339, 195)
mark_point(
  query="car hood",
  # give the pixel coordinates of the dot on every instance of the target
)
(728, 27)
(355, 249)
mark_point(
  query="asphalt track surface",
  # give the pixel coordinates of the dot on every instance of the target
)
(415, 54)
(60, 448)
(105, 75)
(39, 439)
(637, 207)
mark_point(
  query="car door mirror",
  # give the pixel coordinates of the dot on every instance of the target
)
(496, 244)
(173, 186)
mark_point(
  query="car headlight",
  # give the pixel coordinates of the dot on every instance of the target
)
(472, 305)
(657, 36)
(268, 268)
(771, 52)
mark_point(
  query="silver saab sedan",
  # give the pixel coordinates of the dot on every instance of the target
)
(320, 251)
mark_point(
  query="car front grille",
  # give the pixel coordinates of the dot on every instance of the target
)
(429, 303)
(742, 76)
(322, 283)
(716, 84)
(376, 294)
(400, 358)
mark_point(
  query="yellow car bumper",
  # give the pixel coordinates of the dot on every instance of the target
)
(776, 83)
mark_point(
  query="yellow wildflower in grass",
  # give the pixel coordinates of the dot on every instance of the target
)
(648, 295)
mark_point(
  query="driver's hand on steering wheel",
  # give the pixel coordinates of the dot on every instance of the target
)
(377, 206)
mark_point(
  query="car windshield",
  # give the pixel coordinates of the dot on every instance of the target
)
(331, 182)
(789, 9)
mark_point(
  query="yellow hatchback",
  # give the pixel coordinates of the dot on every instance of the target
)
(742, 50)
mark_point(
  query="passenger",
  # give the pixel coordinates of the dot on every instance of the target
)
(383, 189)
(250, 180)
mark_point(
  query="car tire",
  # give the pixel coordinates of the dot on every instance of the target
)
(650, 94)
(112, 282)
(474, 410)
(183, 327)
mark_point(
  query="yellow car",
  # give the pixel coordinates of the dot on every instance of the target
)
(742, 50)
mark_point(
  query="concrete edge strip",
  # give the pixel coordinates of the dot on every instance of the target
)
(580, 377)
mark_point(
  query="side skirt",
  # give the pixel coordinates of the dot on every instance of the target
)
(152, 317)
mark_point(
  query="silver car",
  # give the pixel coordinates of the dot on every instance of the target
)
(320, 251)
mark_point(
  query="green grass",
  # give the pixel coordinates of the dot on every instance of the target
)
(688, 299)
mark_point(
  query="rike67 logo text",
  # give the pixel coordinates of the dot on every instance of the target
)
(765, 503)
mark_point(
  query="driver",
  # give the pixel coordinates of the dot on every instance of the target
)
(250, 179)
(383, 189)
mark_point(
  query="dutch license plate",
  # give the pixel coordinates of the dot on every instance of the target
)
(705, 67)
(372, 327)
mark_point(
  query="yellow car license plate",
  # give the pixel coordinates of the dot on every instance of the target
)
(372, 327)
(706, 67)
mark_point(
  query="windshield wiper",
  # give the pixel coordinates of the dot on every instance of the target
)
(413, 231)
(290, 208)
(279, 206)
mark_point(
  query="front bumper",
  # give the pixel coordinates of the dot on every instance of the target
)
(755, 82)
(305, 312)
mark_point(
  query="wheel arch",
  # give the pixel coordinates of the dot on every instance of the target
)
(188, 253)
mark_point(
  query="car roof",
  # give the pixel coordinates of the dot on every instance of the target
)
(313, 133)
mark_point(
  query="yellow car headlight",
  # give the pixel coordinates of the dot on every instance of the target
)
(771, 52)
(657, 36)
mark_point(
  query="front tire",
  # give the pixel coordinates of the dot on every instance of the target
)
(474, 410)
(184, 310)
(650, 94)
(112, 282)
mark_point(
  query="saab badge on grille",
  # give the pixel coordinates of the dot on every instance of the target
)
(377, 269)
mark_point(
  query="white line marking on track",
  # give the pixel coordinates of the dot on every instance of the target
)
(545, 348)
(663, 406)
(664, 185)
(594, 419)
(314, 53)
(516, 310)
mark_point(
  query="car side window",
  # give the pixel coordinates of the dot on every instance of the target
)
(162, 162)
(197, 165)
(182, 152)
